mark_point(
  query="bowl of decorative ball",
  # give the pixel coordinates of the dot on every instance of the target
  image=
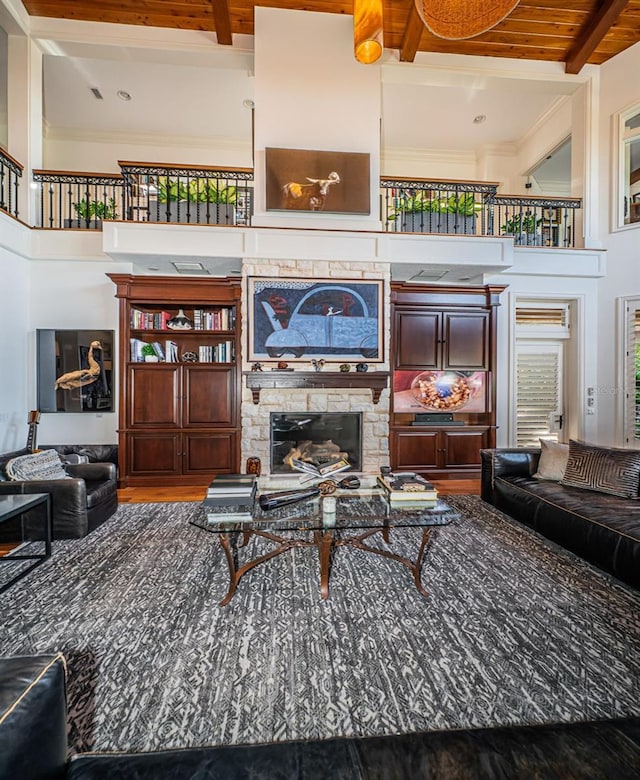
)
(443, 391)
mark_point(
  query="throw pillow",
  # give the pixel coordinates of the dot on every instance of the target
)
(603, 469)
(553, 461)
(37, 465)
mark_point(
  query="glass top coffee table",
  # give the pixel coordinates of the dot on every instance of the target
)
(358, 516)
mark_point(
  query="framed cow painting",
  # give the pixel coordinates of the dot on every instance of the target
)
(305, 180)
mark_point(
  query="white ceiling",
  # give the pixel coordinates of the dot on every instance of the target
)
(203, 97)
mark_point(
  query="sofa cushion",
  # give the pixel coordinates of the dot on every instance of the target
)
(553, 460)
(603, 469)
(37, 465)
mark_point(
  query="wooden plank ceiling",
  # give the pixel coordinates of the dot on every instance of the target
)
(574, 32)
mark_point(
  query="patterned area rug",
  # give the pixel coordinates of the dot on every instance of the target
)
(515, 630)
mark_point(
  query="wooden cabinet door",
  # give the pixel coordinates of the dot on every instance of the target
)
(209, 453)
(154, 395)
(466, 340)
(461, 449)
(416, 339)
(154, 454)
(209, 396)
(414, 451)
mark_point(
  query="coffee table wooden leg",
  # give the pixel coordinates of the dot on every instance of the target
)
(324, 540)
(232, 563)
(417, 567)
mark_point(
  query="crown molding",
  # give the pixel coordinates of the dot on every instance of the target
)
(555, 106)
(408, 153)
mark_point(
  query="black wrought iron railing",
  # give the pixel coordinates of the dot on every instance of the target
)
(436, 205)
(68, 199)
(10, 175)
(537, 221)
(188, 193)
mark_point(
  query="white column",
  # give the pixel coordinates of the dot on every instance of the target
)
(24, 102)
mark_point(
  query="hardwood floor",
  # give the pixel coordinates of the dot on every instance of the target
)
(195, 493)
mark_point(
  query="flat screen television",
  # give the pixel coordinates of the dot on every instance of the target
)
(75, 370)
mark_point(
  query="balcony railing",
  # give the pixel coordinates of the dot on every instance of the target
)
(10, 175)
(68, 199)
(188, 194)
(436, 206)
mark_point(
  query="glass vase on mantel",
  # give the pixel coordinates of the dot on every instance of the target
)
(180, 321)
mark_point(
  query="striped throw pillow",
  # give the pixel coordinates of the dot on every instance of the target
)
(603, 469)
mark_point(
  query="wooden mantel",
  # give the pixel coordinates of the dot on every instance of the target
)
(376, 381)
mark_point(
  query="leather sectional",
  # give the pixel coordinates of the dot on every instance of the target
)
(603, 529)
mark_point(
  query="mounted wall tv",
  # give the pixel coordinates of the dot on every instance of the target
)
(75, 370)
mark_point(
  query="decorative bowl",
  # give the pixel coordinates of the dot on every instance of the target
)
(443, 391)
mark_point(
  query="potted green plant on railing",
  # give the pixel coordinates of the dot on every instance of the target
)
(90, 213)
(200, 200)
(423, 212)
(524, 229)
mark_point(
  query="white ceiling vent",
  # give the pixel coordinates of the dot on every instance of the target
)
(432, 274)
(190, 268)
(96, 93)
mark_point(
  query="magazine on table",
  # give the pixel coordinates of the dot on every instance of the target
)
(323, 469)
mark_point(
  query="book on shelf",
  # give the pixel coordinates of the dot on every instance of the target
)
(407, 486)
(171, 351)
(322, 469)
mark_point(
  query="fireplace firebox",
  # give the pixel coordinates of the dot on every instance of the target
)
(317, 437)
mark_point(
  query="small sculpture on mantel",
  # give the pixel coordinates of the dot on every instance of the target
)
(317, 364)
(344, 367)
(256, 367)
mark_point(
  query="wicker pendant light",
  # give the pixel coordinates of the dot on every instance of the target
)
(459, 19)
(367, 30)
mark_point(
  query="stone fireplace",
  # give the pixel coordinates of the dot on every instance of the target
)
(318, 438)
(314, 401)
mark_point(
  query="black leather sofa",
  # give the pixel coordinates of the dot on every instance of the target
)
(78, 505)
(33, 746)
(603, 529)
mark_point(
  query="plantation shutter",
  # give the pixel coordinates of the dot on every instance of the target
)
(538, 392)
(632, 374)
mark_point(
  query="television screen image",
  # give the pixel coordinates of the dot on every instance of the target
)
(75, 370)
(439, 391)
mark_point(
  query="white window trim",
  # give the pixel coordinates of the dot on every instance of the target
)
(620, 135)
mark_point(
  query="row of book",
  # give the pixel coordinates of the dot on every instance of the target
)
(168, 352)
(223, 318)
(219, 319)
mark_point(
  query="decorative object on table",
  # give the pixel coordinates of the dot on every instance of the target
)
(282, 365)
(317, 364)
(189, 357)
(180, 321)
(349, 483)
(327, 486)
(362, 368)
(269, 501)
(344, 367)
(407, 486)
(256, 367)
(253, 465)
(311, 180)
(329, 511)
(315, 319)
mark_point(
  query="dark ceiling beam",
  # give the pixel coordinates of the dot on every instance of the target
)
(594, 30)
(222, 21)
(411, 35)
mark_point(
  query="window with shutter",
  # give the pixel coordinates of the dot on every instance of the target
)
(632, 374)
(538, 392)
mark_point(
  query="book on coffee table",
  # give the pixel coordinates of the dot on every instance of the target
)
(325, 469)
(406, 486)
(232, 489)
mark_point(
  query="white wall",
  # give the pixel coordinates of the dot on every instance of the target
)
(620, 89)
(311, 93)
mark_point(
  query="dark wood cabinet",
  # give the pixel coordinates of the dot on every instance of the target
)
(179, 417)
(440, 328)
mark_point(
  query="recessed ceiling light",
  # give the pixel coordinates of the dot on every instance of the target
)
(123, 95)
(478, 120)
(247, 103)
